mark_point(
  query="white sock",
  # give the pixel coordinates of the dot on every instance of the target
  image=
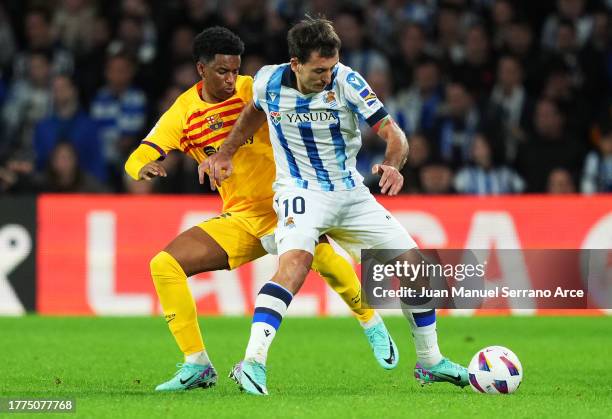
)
(200, 358)
(423, 325)
(262, 335)
(372, 322)
(270, 306)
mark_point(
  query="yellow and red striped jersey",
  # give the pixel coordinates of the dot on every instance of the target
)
(198, 129)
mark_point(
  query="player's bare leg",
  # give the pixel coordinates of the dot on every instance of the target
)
(197, 252)
(270, 306)
(293, 266)
(193, 251)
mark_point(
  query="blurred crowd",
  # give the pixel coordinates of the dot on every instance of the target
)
(495, 96)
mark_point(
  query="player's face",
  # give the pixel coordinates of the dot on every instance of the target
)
(220, 76)
(316, 73)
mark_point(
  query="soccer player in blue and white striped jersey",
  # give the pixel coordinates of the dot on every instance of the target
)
(313, 106)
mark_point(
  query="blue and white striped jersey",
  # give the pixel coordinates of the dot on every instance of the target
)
(316, 137)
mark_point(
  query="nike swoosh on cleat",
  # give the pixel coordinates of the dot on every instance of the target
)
(392, 354)
(183, 382)
(457, 378)
(253, 382)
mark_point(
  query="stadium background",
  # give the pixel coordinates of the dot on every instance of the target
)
(496, 97)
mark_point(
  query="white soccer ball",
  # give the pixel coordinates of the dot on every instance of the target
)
(495, 370)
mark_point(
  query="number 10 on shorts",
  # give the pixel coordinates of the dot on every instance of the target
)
(295, 206)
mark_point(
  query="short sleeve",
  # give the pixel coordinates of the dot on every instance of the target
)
(361, 96)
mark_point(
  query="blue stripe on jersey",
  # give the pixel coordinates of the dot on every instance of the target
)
(303, 106)
(340, 148)
(273, 92)
(355, 110)
(332, 82)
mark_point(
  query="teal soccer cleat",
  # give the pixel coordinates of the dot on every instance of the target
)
(190, 376)
(250, 377)
(444, 371)
(383, 346)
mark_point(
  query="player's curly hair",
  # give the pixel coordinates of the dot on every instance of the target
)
(216, 40)
(313, 34)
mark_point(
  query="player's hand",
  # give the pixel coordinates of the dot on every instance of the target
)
(391, 180)
(152, 170)
(218, 167)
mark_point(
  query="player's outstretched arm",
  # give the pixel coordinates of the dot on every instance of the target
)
(391, 180)
(219, 165)
(142, 164)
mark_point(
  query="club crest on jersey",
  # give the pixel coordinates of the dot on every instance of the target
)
(276, 117)
(330, 97)
(355, 81)
(214, 122)
(289, 223)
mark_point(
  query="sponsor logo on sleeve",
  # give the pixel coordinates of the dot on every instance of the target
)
(368, 96)
(355, 81)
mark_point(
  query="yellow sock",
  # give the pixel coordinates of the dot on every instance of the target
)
(177, 302)
(339, 274)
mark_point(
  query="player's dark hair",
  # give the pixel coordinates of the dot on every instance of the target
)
(313, 34)
(216, 40)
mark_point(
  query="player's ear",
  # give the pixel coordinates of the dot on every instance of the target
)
(200, 67)
(294, 64)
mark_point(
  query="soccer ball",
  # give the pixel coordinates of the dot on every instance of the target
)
(495, 370)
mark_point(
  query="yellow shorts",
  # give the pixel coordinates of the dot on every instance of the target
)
(239, 234)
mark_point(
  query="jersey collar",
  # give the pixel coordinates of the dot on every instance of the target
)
(288, 79)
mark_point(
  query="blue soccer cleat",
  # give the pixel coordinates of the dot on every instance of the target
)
(444, 371)
(190, 376)
(250, 377)
(383, 346)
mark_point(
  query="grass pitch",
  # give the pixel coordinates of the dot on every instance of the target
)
(316, 368)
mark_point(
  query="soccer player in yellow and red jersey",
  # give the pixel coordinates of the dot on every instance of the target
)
(197, 124)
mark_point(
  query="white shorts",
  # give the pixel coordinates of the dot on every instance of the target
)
(353, 219)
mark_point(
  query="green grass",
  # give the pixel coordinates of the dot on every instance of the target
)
(316, 368)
